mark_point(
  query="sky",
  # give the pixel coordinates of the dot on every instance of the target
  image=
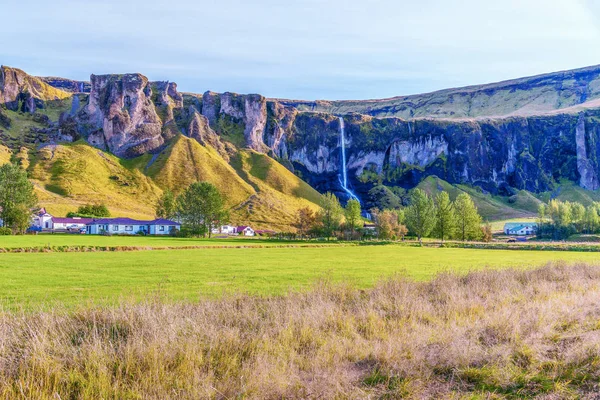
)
(303, 49)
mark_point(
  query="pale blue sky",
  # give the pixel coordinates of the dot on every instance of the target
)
(308, 49)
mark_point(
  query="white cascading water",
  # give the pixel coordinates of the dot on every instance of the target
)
(344, 178)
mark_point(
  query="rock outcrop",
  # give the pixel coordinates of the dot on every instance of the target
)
(68, 85)
(22, 92)
(121, 116)
(509, 148)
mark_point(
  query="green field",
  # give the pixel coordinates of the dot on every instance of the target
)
(49, 240)
(31, 280)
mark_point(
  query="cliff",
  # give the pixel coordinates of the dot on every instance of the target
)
(528, 134)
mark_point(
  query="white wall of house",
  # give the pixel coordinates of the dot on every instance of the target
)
(116, 229)
(43, 221)
(162, 229)
(247, 232)
(60, 226)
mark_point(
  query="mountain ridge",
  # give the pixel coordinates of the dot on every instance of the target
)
(525, 134)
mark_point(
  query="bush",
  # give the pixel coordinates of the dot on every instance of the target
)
(5, 231)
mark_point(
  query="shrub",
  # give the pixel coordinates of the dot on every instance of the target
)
(5, 231)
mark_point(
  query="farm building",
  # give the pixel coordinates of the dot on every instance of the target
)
(67, 224)
(245, 231)
(225, 230)
(128, 226)
(42, 220)
(520, 228)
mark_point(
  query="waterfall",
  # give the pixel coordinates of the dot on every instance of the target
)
(344, 178)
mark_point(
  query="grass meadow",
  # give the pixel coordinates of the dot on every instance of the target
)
(496, 334)
(29, 280)
(254, 319)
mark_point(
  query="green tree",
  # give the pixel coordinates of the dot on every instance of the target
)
(167, 205)
(17, 198)
(91, 211)
(445, 223)
(468, 220)
(331, 214)
(420, 215)
(200, 208)
(352, 214)
(591, 220)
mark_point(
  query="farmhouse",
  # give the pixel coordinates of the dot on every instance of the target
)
(67, 224)
(128, 226)
(520, 228)
(225, 229)
(43, 220)
(245, 231)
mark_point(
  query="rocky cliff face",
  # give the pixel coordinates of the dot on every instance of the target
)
(130, 116)
(120, 115)
(22, 92)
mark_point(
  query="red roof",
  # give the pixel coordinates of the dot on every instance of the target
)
(241, 229)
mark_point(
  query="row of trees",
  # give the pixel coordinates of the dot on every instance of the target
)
(426, 216)
(199, 209)
(558, 220)
(444, 219)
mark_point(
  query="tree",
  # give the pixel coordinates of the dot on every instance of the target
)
(591, 219)
(17, 198)
(331, 214)
(166, 206)
(389, 224)
(445, 223)
(306, 221)
(486, 232)
(468, 220)
(200, 208)
(352, 214)
(420, 215)
(91, 210)
(577, 215)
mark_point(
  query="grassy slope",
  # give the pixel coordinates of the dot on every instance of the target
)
(279, 192)
(68, 175)
(570, 191)
(490, 207)
(74, 278)
(186, 161)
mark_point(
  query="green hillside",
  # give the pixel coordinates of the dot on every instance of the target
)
(521, 205)
(259, 190)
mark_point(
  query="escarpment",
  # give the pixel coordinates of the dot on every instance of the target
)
(529, 133)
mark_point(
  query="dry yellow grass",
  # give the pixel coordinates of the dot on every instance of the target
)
(186, 161)
(493, 334)
(5, 154)
(66, 176)
(280, 193)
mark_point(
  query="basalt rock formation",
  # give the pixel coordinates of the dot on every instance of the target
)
(529, 133)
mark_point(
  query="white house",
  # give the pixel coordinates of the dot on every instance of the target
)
(67, 224)
(245, 231)
(520, 228)
(43, 220)
(128, 226)
(225, 230)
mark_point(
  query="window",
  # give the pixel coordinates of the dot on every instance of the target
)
(115, 227)
(161, 228)
(128, 227)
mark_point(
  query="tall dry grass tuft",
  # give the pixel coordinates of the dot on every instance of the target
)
(492, 334)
